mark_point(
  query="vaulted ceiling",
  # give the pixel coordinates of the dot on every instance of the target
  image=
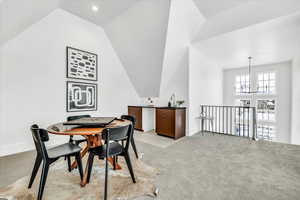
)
(139, 36)
(213, 7)
(242, 14)
(108, 9)
(269, 42)
(137, 29)
(17, 15)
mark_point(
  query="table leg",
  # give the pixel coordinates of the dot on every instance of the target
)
(85, 174)
(111, 160)
(82, 154)
(94, 141)
(91, 140)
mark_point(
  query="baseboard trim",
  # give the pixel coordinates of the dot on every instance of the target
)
(193, 132)
(10, 149)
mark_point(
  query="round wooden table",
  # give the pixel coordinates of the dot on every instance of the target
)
(93, 136)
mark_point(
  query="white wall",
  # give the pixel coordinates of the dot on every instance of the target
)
(205, 86)
(295, 138)
(184, 22)
(2, 81)
(34, 70)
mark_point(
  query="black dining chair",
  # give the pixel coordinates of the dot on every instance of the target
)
(49, 156)
(133, 120)
(76, 141)
(112, 148)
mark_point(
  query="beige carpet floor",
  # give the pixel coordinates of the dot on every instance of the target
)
(62, 185)
(152, 138)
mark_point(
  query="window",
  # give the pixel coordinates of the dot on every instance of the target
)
(242, 84)
(266, 110)
(264, 101)
(266, 83)
(266, 132)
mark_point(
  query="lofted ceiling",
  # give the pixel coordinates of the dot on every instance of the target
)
(137, 29)
(210, 8)
(139, 36)
(108, 9)
(249, 13)
(269, 42)
(18, 15)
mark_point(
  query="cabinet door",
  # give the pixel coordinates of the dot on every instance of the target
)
(137, 113)
(180, 123)
(165, 122)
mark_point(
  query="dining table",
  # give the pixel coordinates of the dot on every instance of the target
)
(93, 137)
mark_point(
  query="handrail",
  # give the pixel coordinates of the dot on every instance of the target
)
(229, 120)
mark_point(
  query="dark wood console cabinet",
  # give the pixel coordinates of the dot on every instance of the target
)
(137, 113)
(171, 122)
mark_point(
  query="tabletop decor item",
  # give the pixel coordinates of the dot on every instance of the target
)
(81, 96)
(82, 64)
(179, 103)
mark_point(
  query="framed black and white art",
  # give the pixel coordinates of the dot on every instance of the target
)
(82, 64)
(81, 96)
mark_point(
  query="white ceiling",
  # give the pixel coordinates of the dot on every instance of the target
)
(246, 14)
(138, 36)
(108, 9)
(273, 41)
(17, 15)
(137, 30)
(210, 8)
(222, 15)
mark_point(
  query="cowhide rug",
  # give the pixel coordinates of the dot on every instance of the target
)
(62, 185)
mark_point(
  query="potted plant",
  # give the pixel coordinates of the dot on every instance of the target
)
(179, 103)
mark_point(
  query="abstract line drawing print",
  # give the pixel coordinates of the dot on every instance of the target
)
(81, 96)
(81, 64)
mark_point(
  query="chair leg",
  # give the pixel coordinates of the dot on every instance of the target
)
(106, 179)
(69, 164)
(43, 179)
(115, 162)
(35, 169)
(128, 162)
(90, 166)
(134, 148)
(79, 164)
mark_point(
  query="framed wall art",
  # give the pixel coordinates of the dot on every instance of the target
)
(81, 96)
(81, 64)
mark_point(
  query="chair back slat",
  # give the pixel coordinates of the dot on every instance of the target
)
(131, 128)
(115, 134)
(130, 118)
(39, 137)
(71, 118)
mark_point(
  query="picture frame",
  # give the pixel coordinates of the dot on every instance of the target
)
(81, 96)
(82, 65)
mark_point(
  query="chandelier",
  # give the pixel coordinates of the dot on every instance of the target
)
(247, 88)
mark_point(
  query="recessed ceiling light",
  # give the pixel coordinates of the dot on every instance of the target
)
(95, 8)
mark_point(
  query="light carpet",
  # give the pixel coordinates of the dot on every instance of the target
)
(153, 139)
